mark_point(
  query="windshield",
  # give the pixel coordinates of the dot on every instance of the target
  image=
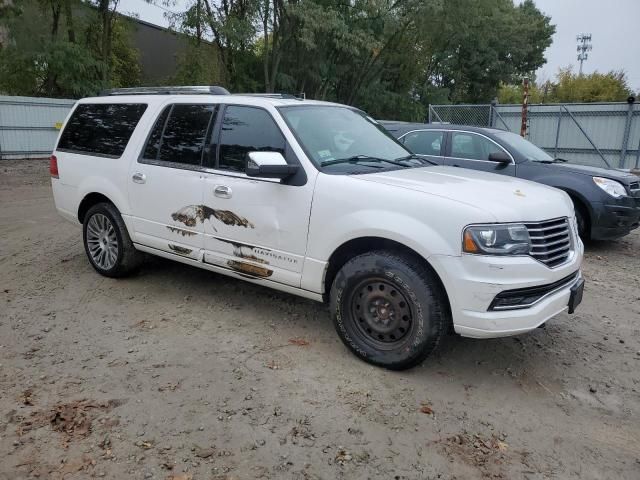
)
(344, 137)
(524, 147)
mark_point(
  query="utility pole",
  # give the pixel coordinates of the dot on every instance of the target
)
(584, 46)
(525, 107)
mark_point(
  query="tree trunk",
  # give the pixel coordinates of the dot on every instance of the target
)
(68, 15)
(265, 56)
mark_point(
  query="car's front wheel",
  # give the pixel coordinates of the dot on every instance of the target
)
(107, 242)
(389, 309)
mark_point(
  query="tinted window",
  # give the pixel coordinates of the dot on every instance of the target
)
(184, 134)
(425, 142)
(244, 130)
(101, 128)
(153, 144)
(469, 145)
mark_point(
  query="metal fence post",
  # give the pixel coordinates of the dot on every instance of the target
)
(625, 135)
(555, 150)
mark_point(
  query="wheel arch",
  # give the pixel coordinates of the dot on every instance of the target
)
(579, 201)
(89, 201)
(360, 245)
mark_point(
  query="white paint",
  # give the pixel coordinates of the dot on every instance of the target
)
(292, 231)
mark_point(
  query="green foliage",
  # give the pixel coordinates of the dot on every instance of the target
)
(197, 65)
(570, 87)
(594, 87)
(52, 52)
(392, 58)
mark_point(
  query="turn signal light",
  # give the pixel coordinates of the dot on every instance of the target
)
(469, 243)
(53, 166)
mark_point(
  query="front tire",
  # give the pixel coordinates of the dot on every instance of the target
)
(107, 242)
(388, 309)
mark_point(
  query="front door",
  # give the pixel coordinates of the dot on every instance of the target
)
(472, 150)
(255, 227)
(166, 182)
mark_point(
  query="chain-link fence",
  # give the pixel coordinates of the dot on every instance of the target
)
(599, 134)
(29, 126)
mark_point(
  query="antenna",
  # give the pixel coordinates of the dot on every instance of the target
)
(584, 46)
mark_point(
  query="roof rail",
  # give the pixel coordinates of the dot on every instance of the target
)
(300, 96)
(179, 90)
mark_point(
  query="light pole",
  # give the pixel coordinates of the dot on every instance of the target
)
(584, 46)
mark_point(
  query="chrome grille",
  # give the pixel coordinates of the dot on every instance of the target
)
(634, 189)
(550, 241)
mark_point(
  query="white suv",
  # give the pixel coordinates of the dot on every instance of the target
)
(316, 199)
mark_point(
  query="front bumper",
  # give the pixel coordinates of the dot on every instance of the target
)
(615, 218)
(472, 283)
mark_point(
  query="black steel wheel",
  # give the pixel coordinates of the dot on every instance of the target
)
(383, 314)
(389, 309)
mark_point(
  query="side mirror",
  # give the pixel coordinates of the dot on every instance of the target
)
(268, 165)
(500, 157)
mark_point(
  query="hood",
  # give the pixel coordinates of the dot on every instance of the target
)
(624, 177)
(508, 199)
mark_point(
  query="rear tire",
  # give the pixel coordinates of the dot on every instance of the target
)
(107, 242)
(388, 309)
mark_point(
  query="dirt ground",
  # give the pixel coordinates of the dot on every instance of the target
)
(178, 373)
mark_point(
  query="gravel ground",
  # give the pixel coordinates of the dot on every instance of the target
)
(178, 373)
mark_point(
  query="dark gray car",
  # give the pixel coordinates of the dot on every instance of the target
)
(607, 201)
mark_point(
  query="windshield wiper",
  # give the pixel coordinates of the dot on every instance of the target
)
(362, 158)
(555, 160)
(413, 156)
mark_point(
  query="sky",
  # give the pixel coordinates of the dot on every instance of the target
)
(615, 36)
(613, 24)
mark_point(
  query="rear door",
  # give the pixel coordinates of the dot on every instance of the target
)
(165, 184)
(426, 143)
(255, 227)
(472, 150)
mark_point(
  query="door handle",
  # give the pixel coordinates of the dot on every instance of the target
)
(139, 177)
(222, 191)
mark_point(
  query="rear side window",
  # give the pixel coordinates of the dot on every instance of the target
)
(101, 128)
(244, 130)
(179, 133)
(424, 142)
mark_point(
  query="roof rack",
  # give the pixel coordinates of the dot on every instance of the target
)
(300, 96)
(180, 90)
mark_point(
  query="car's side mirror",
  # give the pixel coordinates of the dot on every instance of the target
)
(500, 157)
(268, 165)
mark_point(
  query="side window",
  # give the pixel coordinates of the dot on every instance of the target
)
(244, 130)
(101, 128)
(153, 144)
(184, 134)
(424, 142)
(472, 146)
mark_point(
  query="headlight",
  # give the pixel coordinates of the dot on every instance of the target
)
(500, 239)
(613, 188)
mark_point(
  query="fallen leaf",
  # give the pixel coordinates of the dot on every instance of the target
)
(301, 342)
(426, 409)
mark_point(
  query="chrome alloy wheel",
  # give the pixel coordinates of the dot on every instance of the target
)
(102, 241)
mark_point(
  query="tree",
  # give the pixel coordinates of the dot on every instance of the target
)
(570, 87)
(50, 52)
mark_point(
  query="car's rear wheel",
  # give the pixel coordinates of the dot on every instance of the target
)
(107, 242)
(390, 310)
